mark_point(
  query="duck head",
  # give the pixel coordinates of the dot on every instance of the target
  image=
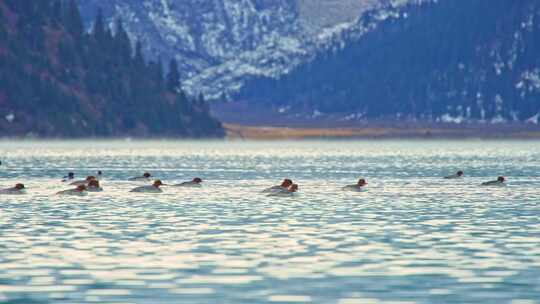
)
(286, 183)
(362, 182)
(158, 183)
(293, 188)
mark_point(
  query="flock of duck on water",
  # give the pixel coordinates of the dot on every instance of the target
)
(286, 188)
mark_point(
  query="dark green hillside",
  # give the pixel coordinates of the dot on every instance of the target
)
(58, 81)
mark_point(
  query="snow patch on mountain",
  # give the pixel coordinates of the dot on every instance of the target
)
(220, 43)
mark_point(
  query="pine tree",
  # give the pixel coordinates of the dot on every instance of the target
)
(99, 27)
(122, 43)
(138, 60)
(159, 73)
(56, 13)
(173, 77)
(74, 21)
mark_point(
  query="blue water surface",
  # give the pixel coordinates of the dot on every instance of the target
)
(412, 237)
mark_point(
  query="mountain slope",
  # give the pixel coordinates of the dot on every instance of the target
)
(57, 81)
(220, 43)
(442, 61)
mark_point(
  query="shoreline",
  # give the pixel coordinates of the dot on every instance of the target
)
(256, 132)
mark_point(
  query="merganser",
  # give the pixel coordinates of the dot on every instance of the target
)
(278, 188)
(79, 191)
(84, 181)
(69, 177)
(459, 174)
(145, 177)
(196, 182)
(288, 192)
(154, 188)
(357, 187)
(18, 189)
(93, 186)
(499, 182)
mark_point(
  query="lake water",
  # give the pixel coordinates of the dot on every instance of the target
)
(412, 237)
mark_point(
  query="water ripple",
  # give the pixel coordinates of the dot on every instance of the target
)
(412, 237)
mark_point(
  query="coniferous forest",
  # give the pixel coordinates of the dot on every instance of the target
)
(474, 60)
(57, 80)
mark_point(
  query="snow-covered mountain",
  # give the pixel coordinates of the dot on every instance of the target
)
(220, 43)
(442, 61)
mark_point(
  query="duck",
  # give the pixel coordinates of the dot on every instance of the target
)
(499, 182)
(17, 189)
(287, 192)
(196, 182)
(81, 190)
(145, 177)
(278, 188)
(68, 177)
(93, 186)
(154, 188)
(84, 181)
(356, 187)
(458, 174)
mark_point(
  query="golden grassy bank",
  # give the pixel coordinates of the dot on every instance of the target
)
(235, 131)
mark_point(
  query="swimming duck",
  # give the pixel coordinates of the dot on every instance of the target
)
(458, 174)
(68, 177)
(18, 189)
(278, 188)
(356, 187)
(145, 177)
(196, 182)
(154, 188)
(287, 192)
(79, 191)
(93, 186)
(84, 181)
(499, 182)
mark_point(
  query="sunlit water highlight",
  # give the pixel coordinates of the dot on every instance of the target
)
(411, 238)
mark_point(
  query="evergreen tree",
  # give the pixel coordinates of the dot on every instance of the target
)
(74, 21)
(122, 43)
(138, 60)
(99, 27)
(173, 77)
(56, 13)
(158, 74)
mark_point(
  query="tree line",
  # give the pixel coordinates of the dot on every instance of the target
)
(57, 79)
